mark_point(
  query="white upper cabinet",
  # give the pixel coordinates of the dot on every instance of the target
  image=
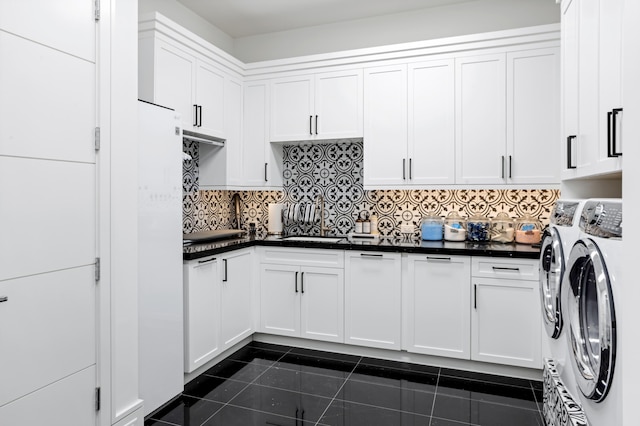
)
(209, 98)
(592, 87)
(480, 119)
(317, 107)
(533, 116)
(385, 130)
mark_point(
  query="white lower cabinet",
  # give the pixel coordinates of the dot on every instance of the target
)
(201, 312)
(436, 305)
(302, 301)
(373, 299)
(505, 320)
(236, 309)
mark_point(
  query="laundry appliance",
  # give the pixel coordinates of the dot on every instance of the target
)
(590, 288)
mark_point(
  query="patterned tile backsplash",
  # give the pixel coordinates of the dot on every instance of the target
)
(335, 171)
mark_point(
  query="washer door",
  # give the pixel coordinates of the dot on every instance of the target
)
(591, 319)
(551, 273)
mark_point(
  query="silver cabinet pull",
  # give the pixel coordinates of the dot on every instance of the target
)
(404, 169)
(502, 167)
(499, 268)
(442, 259)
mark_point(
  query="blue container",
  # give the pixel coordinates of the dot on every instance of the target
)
(479, 228)
(432, 228)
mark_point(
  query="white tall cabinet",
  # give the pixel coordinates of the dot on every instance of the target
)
(48, 291)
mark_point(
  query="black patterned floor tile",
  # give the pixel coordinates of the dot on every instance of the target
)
(252, 354)
(296, 380)
(238, 416)
(185, 411)
(391, 397)
(213, 388)
(483, 413)
(315, 365)
(393, 377)
(344, 413)
(282, 402)
(488, 392)
(237, 370)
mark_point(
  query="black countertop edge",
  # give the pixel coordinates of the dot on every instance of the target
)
(516, 251)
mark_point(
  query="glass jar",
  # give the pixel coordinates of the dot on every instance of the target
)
(502, 228)
(455, 227)
(431, 228)
(479, 228)
(528, 230)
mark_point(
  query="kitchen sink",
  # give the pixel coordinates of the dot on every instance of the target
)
(312, 239)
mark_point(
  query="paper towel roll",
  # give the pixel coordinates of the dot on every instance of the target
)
(275, 218)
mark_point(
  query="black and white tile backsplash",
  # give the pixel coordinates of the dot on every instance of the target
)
(335, 171)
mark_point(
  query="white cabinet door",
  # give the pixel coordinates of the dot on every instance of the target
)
(431, 132)
(292, 108)
(506, 323)
(480, 120)
(174, 84)
(373, 299)
(280, 300)
(233, 131)
(533, 116)
(436, 305)
(210, 97)
(236, 277)
(569, 80)
(385, 126)
(338, 105)
(201, 312)
(322, 299)
(68, 401)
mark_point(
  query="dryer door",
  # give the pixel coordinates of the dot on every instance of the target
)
(551, 273)
(591, 319)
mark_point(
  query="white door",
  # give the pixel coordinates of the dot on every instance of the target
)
(570, 104)
(292, 109)
(255, 138)
(338, 105)
(373, 299)
(480, 120)
(174, 82)
(436, 306)
(506, 323)
(233, 130)
(280, 299)
(322, 299)
(201, 313)
(210, 96)
(236, 277)
(533, 117)
(431, 131)
(385, 126)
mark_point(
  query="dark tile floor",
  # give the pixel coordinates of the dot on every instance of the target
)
(263, 384)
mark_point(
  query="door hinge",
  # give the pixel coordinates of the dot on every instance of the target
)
(97, 10)
(96, 138)
(97, 269)
(97, 399)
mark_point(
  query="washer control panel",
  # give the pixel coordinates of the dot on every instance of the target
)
(602, 219)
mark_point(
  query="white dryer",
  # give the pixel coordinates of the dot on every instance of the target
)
(590, 289)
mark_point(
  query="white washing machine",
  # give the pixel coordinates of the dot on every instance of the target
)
(590, 288)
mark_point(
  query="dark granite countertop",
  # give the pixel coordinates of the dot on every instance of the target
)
(467, 248)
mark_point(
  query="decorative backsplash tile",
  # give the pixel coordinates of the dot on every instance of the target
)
(335, 171)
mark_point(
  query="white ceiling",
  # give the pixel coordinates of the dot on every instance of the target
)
(242, 18)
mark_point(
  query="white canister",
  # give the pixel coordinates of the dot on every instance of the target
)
(366, 226)
(358, 229)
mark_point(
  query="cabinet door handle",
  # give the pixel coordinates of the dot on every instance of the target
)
(609, 147)
(502, 167)
(510, 168)
(207, 261)
(404, 169)
(316, 124)
(311, 125)
(371, 255)
(225, 270)
(441, 259)
(500, 268)
(475, 296)
(614, 137)
(200, 116)
(302, 283)
(265, 172)
(296, 281)
(569, 153)
(410, 167)
(3, 299)
(195, 115)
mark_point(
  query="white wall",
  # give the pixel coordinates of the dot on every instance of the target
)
(460, 19)
(175, 11)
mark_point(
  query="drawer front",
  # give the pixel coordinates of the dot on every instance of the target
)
(492, 267)
(303, 257)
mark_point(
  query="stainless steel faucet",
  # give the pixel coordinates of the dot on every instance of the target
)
(323, 229)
